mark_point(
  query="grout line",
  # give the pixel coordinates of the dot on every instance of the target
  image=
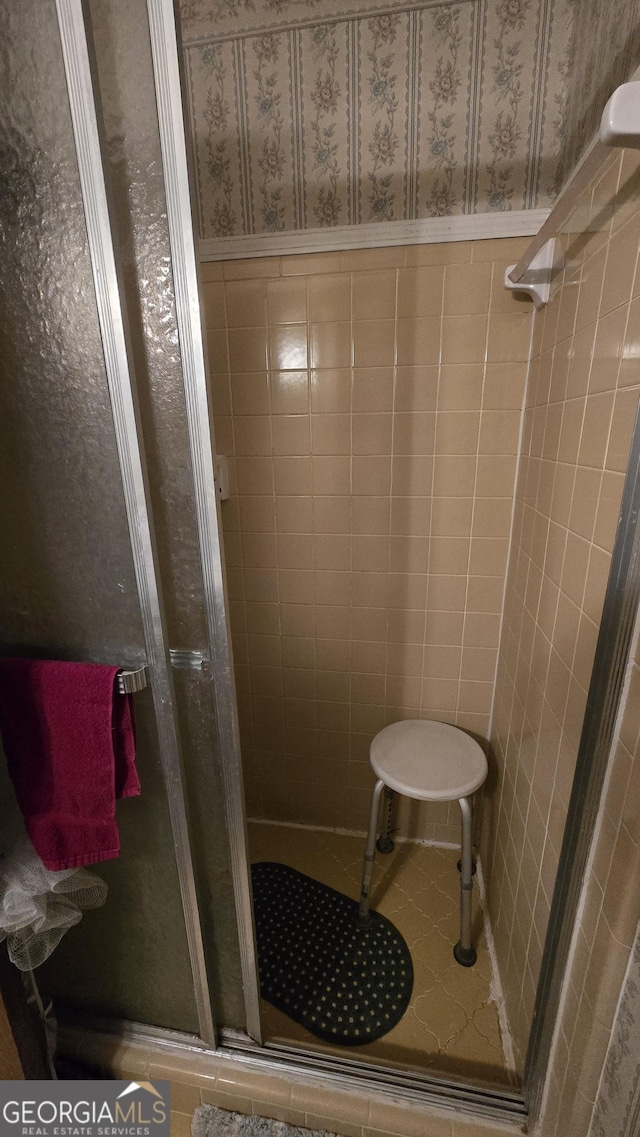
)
(497, 990)
(394, 382)
(512, 525)
(352, 363)
(434, 459)
(423, 842)
(474, 498)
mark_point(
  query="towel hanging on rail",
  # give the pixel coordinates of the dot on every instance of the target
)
(69, 740)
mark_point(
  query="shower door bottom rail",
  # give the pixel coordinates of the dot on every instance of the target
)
(502, 1104)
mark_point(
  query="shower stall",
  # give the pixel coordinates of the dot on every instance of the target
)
(317, 482)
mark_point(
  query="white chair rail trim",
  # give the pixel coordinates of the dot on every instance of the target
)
(429, 230)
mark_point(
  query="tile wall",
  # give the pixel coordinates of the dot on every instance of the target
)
(370, 406)
(581, 403)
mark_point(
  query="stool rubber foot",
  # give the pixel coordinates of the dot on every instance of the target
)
(364, 920)
(466, 957)
(385, 845)
(473, 867)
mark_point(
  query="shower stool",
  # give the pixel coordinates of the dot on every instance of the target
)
(430, 761)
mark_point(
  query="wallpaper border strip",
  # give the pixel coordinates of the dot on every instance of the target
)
(425, 231)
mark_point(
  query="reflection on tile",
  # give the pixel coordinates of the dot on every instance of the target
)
(451, 1025)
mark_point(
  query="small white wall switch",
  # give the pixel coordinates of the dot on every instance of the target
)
(221, 476)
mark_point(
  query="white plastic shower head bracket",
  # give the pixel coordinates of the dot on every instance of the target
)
(536, 281)
(620, 122)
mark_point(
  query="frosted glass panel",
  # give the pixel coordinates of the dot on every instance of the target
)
(67, 587)
(127, 94)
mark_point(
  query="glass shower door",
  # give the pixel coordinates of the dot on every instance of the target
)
(82, 573)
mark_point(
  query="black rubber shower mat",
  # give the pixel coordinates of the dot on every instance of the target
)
(347, 983)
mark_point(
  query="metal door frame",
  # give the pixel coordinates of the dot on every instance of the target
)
(126, 421)
(175, 164)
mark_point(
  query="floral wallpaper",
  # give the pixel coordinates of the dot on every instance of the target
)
(311, 113)
(602, 53)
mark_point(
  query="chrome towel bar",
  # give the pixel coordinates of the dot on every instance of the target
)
(130, 681)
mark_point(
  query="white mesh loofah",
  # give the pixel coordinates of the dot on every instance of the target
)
(37, 906)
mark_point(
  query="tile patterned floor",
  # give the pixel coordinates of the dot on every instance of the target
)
(451, 1025)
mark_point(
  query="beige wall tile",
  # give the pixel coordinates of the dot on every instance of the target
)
(391, 1118)
(461, 387)
(372, 389)
(504, 386)
(416, 388)
(331, 473)
(252, 435)
(467, 289)
(374, 343)
(292, 475)
(414, 434)
(509, 338)
(420, 291)
(210, 270)
(464, 339)
(250, 394)
(374, 295)
(360, 259)
(291, 434)
(331, 390)
(418, 341)
(457, 432)
(288, 348)
(252, 267)
(247, 349)
(331, 344)
(289, 392)
(448, 253)
(218, 352)
(254, 475)
(330, 434)
(371, 474)
(329, 298)
(371, 433)
(287, 301)
(213, 296)
(245, 303)
(500, 250)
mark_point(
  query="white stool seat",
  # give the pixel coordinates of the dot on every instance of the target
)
(428, 760)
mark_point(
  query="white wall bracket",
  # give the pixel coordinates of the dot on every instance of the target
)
(620, 122)
(221, 476)
(536, 281)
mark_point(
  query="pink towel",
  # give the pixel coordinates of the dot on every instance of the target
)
(69, 740)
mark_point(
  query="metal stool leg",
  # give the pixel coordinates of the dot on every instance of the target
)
(464, 951)
(384, 844)
(370, 853)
